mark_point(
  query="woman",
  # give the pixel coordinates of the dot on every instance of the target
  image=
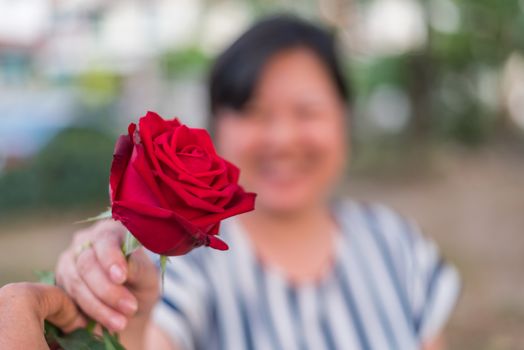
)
(303, 271)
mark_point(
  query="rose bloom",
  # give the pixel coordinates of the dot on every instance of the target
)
(170, 189)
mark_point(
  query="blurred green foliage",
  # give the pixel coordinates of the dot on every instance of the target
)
(72, 171)
(98, 87)
(183, 62)
(443, 78)
(490, 31)
(368, 75)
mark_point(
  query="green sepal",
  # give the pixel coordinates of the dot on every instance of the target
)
(105, 215)
(163, 262)
(130, 244)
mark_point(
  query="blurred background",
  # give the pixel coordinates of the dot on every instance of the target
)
(438, 128)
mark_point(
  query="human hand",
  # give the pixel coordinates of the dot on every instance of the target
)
(110, 289)
(23, 309)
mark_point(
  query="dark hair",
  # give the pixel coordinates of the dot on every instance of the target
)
(236, 71)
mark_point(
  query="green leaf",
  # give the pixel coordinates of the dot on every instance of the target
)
(46, 277)
(163, 261)
(111, 341)
(107, 340)
(105, 215)
(50, 330)
(80, 339)
(91, 324)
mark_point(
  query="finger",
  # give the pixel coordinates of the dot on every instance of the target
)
(90, 304)
(113, 295)
(69, 279)
(59, 309)
(65, 270)
(108, 251)
(142, 270)
(143, 280)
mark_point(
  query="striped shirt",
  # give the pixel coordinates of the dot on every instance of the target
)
(388, 289)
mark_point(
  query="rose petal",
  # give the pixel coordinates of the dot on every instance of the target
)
(121, 155)
(159, 230)
(242, 202)
(175, 165)
(131, 129)
(204, 140)
(188, 198)
(217, 243)
(233, 172)
(195, 164)
(182, 137)
(151, 126)
(140, 184)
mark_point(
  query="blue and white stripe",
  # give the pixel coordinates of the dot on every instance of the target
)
(388, 289)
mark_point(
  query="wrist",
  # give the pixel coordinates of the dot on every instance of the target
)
(19, 306)
(19, 300)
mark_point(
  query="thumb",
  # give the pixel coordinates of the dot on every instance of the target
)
(59, 309)
(142, 273)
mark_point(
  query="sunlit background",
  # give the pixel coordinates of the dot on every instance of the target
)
(438, 125)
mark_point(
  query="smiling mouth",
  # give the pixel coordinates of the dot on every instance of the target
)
(285, 172)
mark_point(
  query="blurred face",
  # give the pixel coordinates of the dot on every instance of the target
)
(289, 141)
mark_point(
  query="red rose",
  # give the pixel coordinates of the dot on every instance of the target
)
(170, 188)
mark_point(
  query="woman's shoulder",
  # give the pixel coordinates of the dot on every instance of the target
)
(383, 220)
(397, 238)
(423, 278)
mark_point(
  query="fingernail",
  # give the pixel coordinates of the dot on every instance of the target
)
(128, 306)
(117, 274)
(117, 323)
